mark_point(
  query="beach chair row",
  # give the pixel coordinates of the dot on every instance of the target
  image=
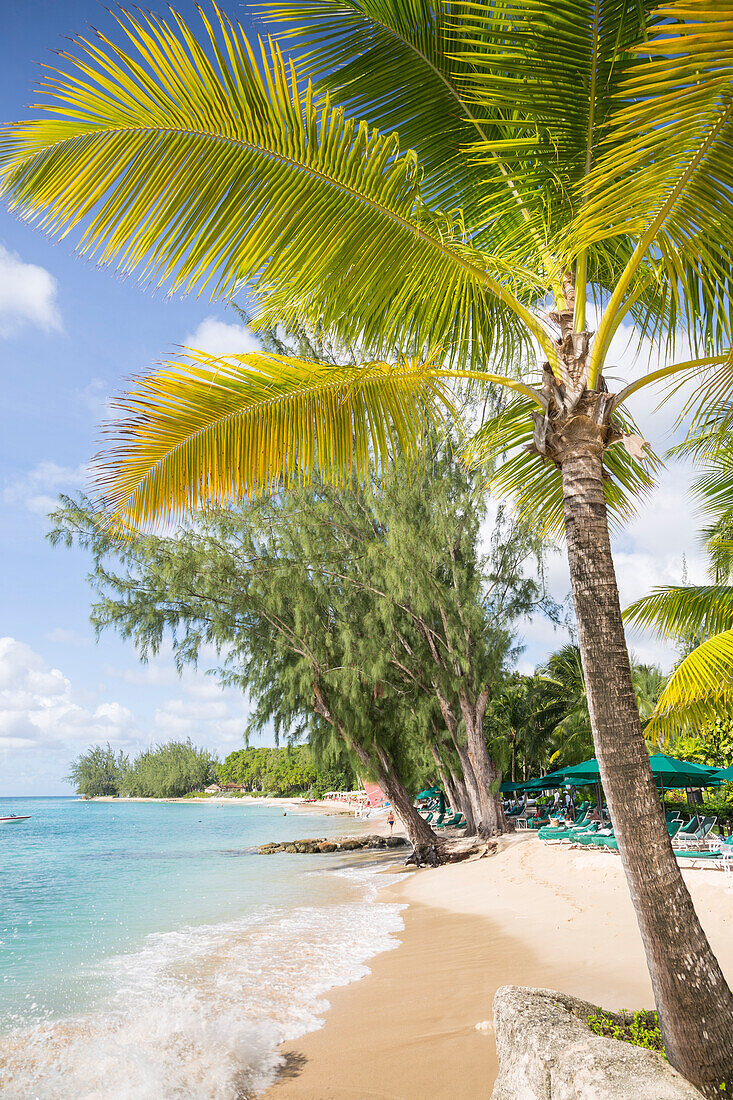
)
(693, 842)
(446, 820)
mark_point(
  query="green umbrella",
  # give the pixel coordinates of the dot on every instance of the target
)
(508, 786)
(725, 774)
(671, 772)
(430, 792)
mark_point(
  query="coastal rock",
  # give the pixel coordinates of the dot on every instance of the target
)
(315, 845)
(547, 1052)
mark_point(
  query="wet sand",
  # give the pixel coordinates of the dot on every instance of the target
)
(531, 915)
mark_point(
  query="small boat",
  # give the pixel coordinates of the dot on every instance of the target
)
(13, 818)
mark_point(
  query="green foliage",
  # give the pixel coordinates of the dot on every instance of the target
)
(165, 771)
(282, 771)
(169, 771)
(377, 602)
(99, 771)
(641, 1028)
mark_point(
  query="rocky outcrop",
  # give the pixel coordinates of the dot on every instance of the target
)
(316, 845)
(548, 1052)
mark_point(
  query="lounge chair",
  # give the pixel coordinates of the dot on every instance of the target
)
(695, 833)
(455, 822)
(552, 832)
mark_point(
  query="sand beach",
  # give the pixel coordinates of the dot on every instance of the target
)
(533, 914)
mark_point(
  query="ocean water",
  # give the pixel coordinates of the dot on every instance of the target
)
(147, 953)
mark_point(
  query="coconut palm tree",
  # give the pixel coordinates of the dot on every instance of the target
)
(552, 157)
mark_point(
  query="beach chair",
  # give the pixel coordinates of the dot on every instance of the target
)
(455, 822)
(695, 833)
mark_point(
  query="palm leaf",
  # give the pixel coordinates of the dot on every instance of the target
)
(665, 175)
(202, 168)
(684, 611)
(542, 79)
(534, 484)
(399, 66)
(698, 690)
(209, 429)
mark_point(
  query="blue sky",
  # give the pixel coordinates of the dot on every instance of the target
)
(70, 334)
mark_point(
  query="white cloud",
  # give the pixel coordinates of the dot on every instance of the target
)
(27, 295)
(219, 338)
(39, 707)
(36, 489)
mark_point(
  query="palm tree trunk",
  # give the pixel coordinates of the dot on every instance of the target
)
(694, 1002)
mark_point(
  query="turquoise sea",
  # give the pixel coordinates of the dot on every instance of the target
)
(147, 952)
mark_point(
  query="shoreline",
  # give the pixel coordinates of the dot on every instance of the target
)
(532, 915)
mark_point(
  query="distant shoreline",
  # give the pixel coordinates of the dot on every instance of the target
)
(331, 807)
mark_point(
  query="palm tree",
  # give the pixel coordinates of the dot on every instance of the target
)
(558, 155)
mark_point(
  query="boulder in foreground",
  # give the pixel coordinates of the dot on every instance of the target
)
(548, 1052)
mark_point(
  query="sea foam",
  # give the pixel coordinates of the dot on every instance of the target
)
(197, 1014)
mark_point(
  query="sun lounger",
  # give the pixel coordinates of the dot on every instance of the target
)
(695, 833)
(455, 822)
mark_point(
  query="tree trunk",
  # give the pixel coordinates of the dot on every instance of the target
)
(427, 848)
(694, 1002)
(471, 787)
(464, 802)
(489, 814)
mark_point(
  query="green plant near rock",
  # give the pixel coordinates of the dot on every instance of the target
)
(641, 1028)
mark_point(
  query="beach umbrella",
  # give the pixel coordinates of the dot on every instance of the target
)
(429, 792)
(507, 787)
(725, 774)
(673, 773)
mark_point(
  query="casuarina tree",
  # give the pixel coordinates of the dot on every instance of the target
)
(458, 181)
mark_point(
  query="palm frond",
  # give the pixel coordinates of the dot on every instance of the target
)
(684, 611)
(534, 484)
(698, 690)
(542, 78)
(399, 65)
(666, 169)
(204, 168)
(211, 430)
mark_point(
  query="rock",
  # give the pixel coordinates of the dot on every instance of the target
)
(350, 845)
(548, 1052)
(289, 848)
(396, 842)
(327, 846)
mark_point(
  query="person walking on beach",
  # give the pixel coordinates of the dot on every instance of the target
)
(390, 821)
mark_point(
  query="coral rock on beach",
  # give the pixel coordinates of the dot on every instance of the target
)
(316, 845)
(548, 1052)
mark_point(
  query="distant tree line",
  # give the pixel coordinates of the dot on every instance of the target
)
(290, 770)
(179, 767)
(164, 771)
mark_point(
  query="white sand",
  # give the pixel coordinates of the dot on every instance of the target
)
(531, 915)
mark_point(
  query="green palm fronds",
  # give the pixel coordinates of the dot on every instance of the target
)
(684, 611)
(699, 690)
(201, 171)
(666, 168)
(209, 428)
